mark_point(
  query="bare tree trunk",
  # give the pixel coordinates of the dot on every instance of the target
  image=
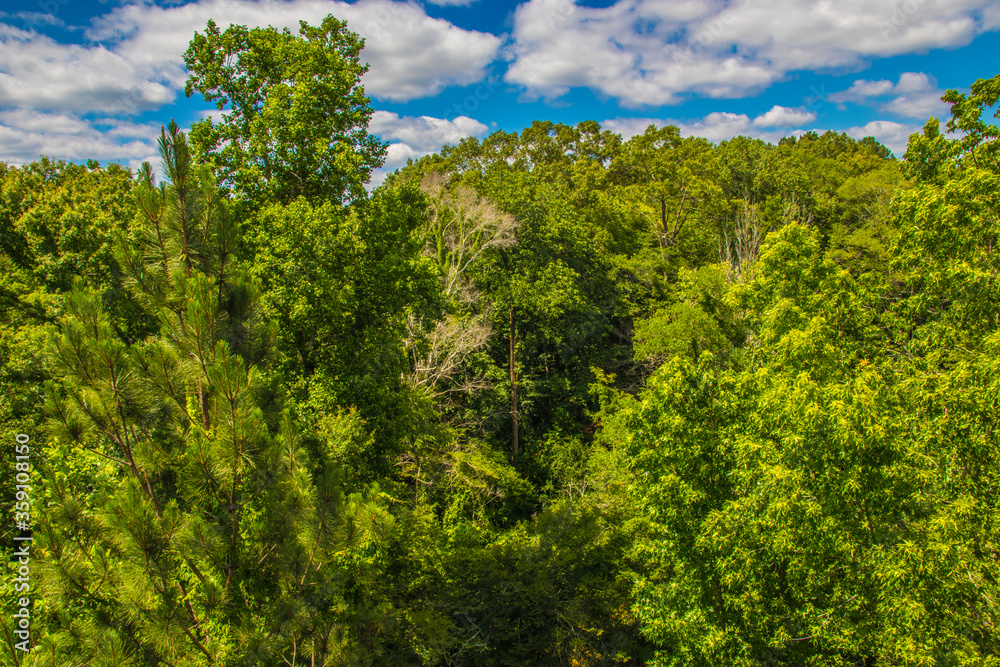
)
(513, 387)
(740, 252)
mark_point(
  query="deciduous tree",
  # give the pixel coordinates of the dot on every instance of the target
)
(295, 116)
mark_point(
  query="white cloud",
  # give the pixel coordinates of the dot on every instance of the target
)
(417, 136)
(991, 18)
(132, 63)
(892, 135)
(410, 54)
(25, 135)
(915, 95)
(558, 45)
(217, 115)
(32, 121)
(861, 90)
(38, 72)
(780, 116)
(652, 52)
(716, 126)
(424, 133)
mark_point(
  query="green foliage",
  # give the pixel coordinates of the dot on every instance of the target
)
(814, 507)
(184, 521)
(297, 117)
(670, 183)
(945, 263)
(550, 397)
(338, 284)
(696, 323)
(979, 144)
(930, 155)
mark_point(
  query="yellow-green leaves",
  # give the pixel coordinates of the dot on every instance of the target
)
(825, 501)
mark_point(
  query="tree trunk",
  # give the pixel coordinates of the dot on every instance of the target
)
(513, 388)
(206, 422)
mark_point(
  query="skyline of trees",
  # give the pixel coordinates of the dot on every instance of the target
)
(551, 397)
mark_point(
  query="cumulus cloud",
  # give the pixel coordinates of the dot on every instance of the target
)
(631, 51)
(38, 72)
(861, 90)
(131, 62)
(716, 126)
(25, 135)
(410, 54)
(892, 135)
(780, 116)
(915, 95)
(424, 133)
(651, 52)
(417, 136)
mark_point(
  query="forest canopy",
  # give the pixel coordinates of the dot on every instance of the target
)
(549, 397)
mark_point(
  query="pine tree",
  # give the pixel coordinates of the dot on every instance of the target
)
(186, 525)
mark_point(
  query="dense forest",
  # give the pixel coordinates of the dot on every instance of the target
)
(552, 397)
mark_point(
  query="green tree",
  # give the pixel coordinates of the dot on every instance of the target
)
(670, 182)
(296, 117)
(186, 523)
(816, 504)
(930, 155)
(981, 141)
(339, 284)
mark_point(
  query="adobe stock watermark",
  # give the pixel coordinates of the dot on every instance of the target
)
(47, 14)
(378, 22)
(818, 98)
(688, 52)
(555, 17)
(901, 14)
(472, 101)
(556, 14)
(22, 543)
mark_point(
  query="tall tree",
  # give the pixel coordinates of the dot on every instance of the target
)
(187, 525)
(295, 121)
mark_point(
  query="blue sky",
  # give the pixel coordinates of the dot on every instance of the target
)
(96, 79)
